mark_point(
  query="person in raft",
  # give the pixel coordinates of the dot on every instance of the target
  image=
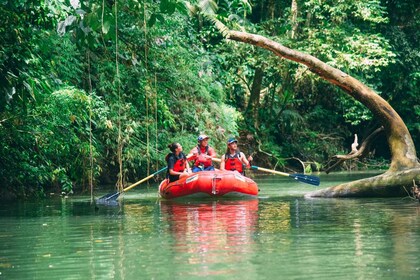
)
(234, 160)
(177, 163)
(202, 154)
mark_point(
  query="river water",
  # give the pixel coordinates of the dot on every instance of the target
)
(279, 235)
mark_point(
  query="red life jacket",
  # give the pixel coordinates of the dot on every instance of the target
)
(233, 162)
(180, 164)
(201, 160)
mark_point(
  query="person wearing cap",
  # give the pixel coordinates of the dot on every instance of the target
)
(234, 160)
(177, 163)
(202, 154)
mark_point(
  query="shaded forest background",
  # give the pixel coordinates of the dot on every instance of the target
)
(92, 92)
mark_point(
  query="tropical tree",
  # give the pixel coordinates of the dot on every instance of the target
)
(404, 167)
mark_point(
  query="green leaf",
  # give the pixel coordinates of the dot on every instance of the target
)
(152, 20)
(106, 26)
(167, 7)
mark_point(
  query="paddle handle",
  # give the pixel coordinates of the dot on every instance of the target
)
(270, 171)
(145, 179)
(260, 168)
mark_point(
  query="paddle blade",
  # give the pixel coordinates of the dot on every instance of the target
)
(108, 197)
(312, 180)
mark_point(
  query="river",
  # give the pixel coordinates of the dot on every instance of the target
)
(279, 235)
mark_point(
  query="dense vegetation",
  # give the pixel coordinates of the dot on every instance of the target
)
(93, 91)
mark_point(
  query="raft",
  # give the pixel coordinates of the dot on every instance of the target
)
(209, 184)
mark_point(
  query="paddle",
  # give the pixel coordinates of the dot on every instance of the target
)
(312, 180)
(115, 195)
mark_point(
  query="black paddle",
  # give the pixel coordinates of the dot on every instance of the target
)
(113, 196)
(312, 180)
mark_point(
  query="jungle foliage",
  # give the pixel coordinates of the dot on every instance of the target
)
(92, 92)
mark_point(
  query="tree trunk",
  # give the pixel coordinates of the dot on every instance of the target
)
(271, 9)
(404, 165)
(294, 19)
(254, 99)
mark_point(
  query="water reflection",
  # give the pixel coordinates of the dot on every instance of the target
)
(275, 217)
(277, 236)
(211, 233)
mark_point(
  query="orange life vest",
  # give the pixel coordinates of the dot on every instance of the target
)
(180, 164)
(233, 162)
(201, 160)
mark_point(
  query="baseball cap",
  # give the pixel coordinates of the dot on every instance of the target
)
(231, 140)
(202, 137)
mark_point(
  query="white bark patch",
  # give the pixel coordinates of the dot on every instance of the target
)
(410, 154)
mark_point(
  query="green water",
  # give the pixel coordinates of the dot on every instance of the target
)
(280, 235)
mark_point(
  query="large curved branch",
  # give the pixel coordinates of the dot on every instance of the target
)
(401, 145)
(389, 184)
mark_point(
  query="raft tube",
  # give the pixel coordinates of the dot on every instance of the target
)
(209, 184)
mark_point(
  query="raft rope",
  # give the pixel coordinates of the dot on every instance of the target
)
(214, 184)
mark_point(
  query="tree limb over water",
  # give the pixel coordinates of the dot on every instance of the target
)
(404, 167)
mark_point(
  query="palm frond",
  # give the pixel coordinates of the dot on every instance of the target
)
(208, 6)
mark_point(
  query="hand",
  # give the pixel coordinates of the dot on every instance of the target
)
(191, 157)
(250, 158)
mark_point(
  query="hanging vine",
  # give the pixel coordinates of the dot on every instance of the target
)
(156, 122)
(120, 182)
(146, 52)
(90, 131)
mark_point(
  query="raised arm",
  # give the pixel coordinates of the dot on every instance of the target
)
(222, 163)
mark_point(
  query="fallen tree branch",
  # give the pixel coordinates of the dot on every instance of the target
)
(355, 153)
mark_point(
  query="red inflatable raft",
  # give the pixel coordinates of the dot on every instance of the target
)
(209, 184)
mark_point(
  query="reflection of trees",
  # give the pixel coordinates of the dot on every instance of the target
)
(360, 239)
(132, 222)
(369, 234)
(212, 233)
(274, 217)
(406, 241)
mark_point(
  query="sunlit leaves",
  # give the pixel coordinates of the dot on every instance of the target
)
(371, 10)
(353, 52)
(343, 34)
(341, 11)
(62, 130)
(208, 6)
(75, 4)
(354, 112)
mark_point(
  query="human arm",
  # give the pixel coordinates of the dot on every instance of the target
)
(192, 155)
(206, 158)
(245, 160)
(222, 163)
(187, 167)
(212, 152)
